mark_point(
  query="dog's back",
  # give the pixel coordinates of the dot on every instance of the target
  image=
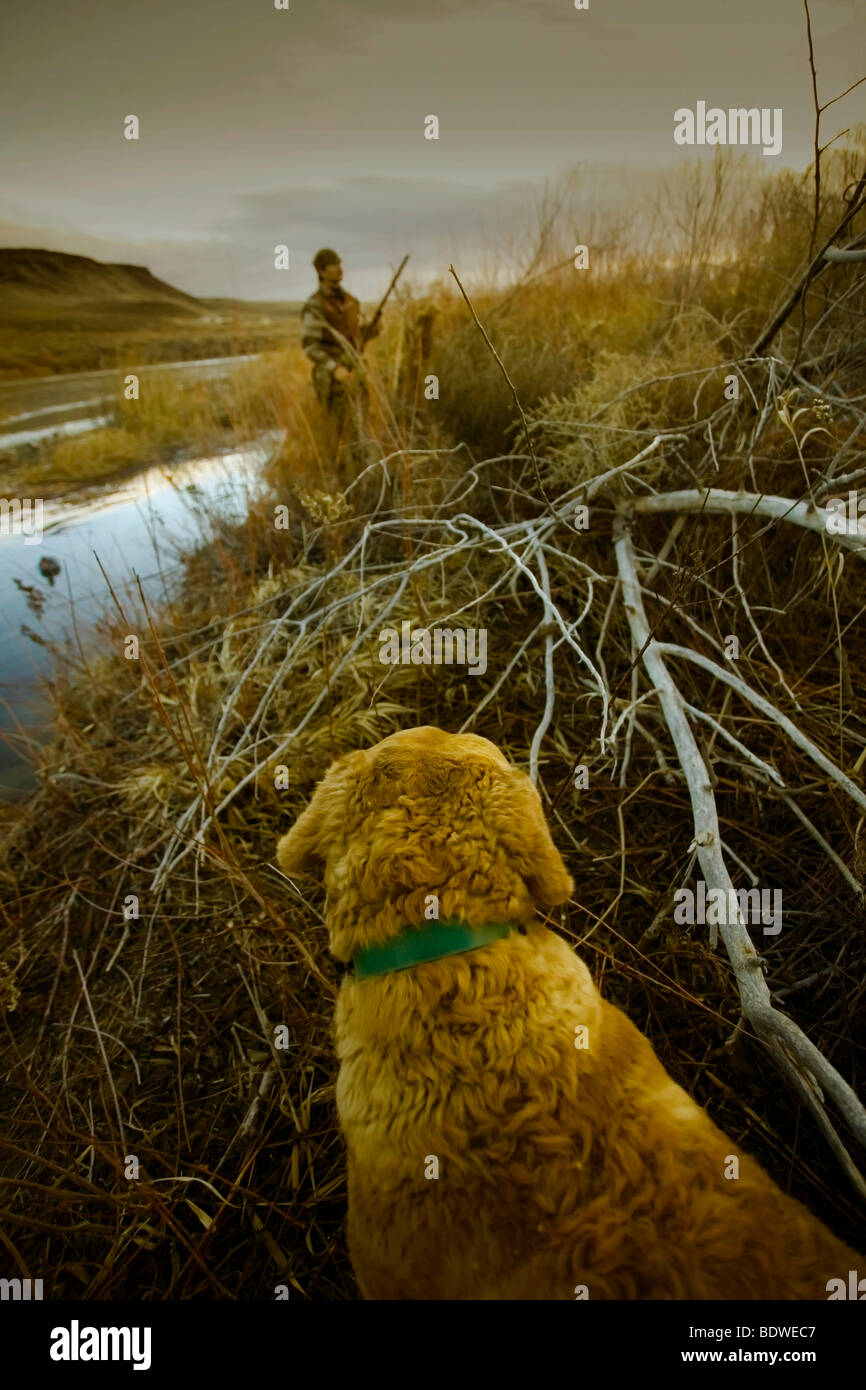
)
(492, 1157)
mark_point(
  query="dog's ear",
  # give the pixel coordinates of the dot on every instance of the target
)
(523, 830)
(312, 834)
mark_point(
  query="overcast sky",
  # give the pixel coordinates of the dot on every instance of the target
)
(306, 126)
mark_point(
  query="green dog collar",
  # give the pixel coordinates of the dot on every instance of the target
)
(416, 945)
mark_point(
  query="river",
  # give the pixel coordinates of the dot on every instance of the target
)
(135, 529)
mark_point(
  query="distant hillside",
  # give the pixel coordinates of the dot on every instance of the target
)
(61, 313)
(52, 283)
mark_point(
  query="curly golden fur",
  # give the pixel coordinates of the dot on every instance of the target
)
(563, 1171)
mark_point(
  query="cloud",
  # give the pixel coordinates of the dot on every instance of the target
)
(373, 209)
(372, 221)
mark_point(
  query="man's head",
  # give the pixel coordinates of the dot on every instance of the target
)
(328, 266)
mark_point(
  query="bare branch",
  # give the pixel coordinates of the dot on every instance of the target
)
(796, 1057)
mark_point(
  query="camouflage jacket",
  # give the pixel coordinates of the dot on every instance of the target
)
(323, 317)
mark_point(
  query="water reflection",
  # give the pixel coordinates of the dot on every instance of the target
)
(56, 592)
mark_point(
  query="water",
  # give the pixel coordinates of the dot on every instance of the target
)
(38, 407)
(135, 529)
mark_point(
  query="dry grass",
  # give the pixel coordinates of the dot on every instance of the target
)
(174, 418)
(154, 1036)
(43, 342)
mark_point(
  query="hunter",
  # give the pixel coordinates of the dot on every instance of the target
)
(333, 336)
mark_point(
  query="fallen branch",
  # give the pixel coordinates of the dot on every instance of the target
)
(804, 1066)
(716, 501)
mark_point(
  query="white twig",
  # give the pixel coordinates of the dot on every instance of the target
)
(811, 749)
(549, 685)
(748, 755)
(498, 539)
(586, 491)
(856, 888)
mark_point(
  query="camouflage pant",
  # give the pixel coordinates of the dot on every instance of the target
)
(331, 393)
(345, 408)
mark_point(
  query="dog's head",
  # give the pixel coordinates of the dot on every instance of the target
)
(423, 815)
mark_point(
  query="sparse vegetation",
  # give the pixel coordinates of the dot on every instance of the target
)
(157, 1037)
(174, 418)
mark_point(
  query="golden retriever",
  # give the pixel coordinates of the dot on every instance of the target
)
(510, 1134)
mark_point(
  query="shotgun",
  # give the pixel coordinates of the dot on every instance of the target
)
(378, 314)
